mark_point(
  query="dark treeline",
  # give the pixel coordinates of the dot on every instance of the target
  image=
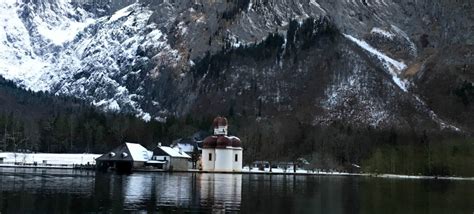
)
(343, 147)
(309, 34)
(40, 122)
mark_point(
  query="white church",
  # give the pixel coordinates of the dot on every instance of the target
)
(221, 153)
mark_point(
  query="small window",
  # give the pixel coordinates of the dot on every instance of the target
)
(210, 156)
(236, 157)
(164, 158)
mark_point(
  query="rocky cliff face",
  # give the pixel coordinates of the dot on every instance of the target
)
(365, 62)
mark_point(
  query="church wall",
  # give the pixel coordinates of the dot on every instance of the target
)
(237, 165)
(208, 165)
(224, 160)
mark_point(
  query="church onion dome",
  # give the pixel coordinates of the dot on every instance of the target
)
(223, 142)
(219, 121)
(210, 142)
(235, 141)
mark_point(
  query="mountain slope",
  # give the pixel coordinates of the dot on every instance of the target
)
(367, 62)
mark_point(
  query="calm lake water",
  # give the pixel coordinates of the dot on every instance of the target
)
(67, 191)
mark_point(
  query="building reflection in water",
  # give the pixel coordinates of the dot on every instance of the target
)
(154, 191)
(66, 191)
(221, 192)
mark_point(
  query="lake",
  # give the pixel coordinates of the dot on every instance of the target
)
(68, 191)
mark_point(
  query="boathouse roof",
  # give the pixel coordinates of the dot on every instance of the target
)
(127, 152)
(168, 151)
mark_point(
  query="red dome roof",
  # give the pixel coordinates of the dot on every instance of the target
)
(223, 142)
(210, 142)
(219, 121)
(236, 142)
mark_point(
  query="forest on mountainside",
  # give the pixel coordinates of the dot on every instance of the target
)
(41, 122)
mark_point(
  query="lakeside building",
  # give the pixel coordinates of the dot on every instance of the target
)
(124, 157)
(170, 159)
(190, 146)
(220, 152)
(187, 145)
(130, 156)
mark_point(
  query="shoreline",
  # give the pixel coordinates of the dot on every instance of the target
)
(78, 167)
(389, 176)
(34, 167)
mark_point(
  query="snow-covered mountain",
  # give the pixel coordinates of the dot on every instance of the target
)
(366, 62)
(32, 33)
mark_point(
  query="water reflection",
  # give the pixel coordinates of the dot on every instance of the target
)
(213, 192)
(169, 192)
(159, 189)
(220, 192)
(40, 191)
(39, 180)
(66, 191)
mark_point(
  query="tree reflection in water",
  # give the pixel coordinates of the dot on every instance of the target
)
(66, 191)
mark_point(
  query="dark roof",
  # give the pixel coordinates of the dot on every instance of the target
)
(223, 142)
(159, 152)
(126, 152)
(235, 141)
(214, 141)
(219, 121)
(116, 154)
(210, 142)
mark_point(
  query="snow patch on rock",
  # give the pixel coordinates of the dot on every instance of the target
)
(382, 32)
(126, 11)
(392, 66)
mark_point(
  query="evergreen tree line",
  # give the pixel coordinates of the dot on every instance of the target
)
(353, 148)
(310, 33)
(41, 122)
